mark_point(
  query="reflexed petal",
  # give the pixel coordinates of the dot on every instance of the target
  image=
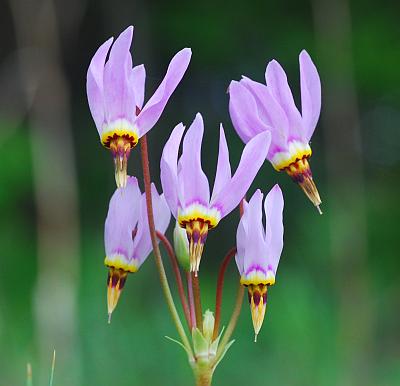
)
(241, 236)
(94, 84)
(138, 78)
(270, 111)
(310, 93)
(253, 157)
(273, 207)
(244, 112)
(192, 178)
(142, 245)
(223, 174)
(168, 166)
(255, 247)
(280, 90)
(118, 94)
(154, 107)
(121, 219)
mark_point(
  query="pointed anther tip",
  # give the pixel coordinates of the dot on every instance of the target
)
(319, 209)
(255, 338)
(109, 317)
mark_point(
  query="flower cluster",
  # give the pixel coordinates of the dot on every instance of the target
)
(266, 119)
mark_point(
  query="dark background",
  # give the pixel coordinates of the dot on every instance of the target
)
(333, 315)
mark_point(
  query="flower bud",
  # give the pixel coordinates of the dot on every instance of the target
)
(208, 325)
(181, 246)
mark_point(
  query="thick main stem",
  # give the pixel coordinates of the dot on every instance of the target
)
(203, 375)
(175, 267)
(156, 250)
(220, 286)
(197, 301)
(232, 322)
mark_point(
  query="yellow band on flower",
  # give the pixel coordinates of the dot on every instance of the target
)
(119, 129)
(257, 277)
(120, 262)
(197, 212)
(297, 151)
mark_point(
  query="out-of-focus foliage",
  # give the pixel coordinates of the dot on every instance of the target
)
(333, 314)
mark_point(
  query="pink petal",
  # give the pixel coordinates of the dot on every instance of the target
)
(280, 90)
(270, 111)
(155, 106)
(118, 94)
(244, 112)
(273, 207)
(223, 174)
(138, 78)
(168, 166)
(192, 178)
(94, 84)
(253, 157)
(142, 245)
(255, 255)
(310, 93)
(241, 236)
(123, 214)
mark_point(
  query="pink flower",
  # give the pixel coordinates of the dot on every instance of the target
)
(115, 93)
(256, 107)
(187, 189)
(127, 236)
(259, 249)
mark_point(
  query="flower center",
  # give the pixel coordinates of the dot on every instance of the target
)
(119, 261)
(198, 212)
(196, 231)
(257, 295)
(296, 152)
(120, 137)
(257, 275)
(300, 172)
(115, 283)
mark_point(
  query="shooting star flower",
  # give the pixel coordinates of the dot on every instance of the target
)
(115, 93)
(186, 187)
(127, 236)
(259, 250)
(255, 107)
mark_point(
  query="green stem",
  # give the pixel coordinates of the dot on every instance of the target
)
(178, 278)
(29, 374)
(160, 267)
(232, 323)
(203, 375)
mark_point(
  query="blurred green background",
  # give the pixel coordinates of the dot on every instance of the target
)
(333, 316)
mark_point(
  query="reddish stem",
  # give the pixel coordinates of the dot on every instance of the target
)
(220, 286)
(197, 301)
(177, 272)
(220, 281)
(191, 300)
(241, 206)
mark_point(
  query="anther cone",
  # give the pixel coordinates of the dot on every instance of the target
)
(115, 283)
(258, 304)
(197, 234)
(300, 172)
(120, 149)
